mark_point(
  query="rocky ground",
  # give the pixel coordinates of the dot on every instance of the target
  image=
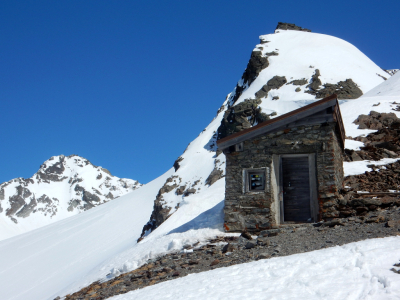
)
(230, 250)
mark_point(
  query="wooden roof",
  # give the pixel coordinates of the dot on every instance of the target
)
(305, 115)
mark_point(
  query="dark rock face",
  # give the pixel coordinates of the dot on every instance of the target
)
(378, 121)
(347, 89)
(302, 81)
(256, 64)
(274, 83)
(161, 211)
(241, 116)
(215, 175)
(289, 26)
(54, 172)
(385, 143)
(18, 200)
(27, 209)
(315, 81)
(176, 163)
(343, 89)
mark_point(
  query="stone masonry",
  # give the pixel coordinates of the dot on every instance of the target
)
(256, 211)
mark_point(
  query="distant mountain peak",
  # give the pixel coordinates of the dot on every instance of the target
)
(289, 26)
(63, 186)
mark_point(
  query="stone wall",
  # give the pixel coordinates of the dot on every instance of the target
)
(255, 211)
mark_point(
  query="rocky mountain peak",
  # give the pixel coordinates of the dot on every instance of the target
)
(289, 26)
(63, 186)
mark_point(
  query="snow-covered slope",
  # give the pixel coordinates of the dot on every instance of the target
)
(296, 56)
(100, 243)
(63, 187)
(63, 256)
(355, 271)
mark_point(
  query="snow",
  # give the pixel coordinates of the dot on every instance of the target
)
(100, 243)
(61, 256)
(77, 171)
(300, 54)
(354, 271)
(360, 167)
(380, 99)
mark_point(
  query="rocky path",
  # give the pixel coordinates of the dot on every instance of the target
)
(230, 250)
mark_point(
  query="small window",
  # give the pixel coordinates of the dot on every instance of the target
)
(254, 180)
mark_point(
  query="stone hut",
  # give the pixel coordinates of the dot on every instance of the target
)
(285, 170)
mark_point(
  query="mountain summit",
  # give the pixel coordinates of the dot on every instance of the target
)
(63, 187)
(288, 69)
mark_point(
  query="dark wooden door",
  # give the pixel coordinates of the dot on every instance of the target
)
(296, 189)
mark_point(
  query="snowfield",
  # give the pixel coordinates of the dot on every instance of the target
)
(354, 271)
(100, 243)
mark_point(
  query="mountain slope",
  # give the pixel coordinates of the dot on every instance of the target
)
(63, 187)
(280, 77)
(188, 207)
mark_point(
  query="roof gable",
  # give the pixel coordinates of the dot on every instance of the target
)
(322, 111)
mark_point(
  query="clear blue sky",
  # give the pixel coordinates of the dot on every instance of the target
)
(128, 84)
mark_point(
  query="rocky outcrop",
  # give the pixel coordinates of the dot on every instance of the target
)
(302, 81)
(315, 82)
(347, 89)
(289, 26)
(377, 121)
(215, 175)
(176, 163)
(274, 83)
(241, 116)
(256, 64)
(161, 211)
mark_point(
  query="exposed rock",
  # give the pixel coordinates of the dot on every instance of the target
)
(161, 211)
(274, 83)
(250, 244)
(27, 209)
(35, 195)
(343, 89)
(179, 191)
(241, 116)
(73, 204)
(275, 98)
(189, 192)
(347, 89)
(297, 89)
(383, 77)
(302, 81)
(103, 169)
(377, 121)
(289, 26)
(89, 197)
(256, 64)
(16, 202)
(246, 235)
(315, 82)
(176, 163)
(215, 262)
(214, 176)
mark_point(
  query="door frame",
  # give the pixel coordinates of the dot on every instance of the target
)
(314, 207)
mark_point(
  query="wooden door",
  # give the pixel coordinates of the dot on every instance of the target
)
(296, 189)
